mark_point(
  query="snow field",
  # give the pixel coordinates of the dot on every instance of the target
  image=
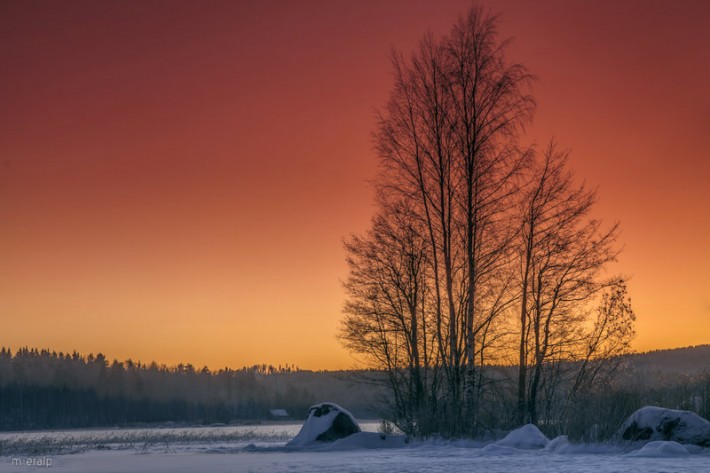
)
(266, 448)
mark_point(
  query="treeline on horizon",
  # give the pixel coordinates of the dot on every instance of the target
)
(42, 389)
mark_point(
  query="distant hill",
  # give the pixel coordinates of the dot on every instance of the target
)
(688, 360)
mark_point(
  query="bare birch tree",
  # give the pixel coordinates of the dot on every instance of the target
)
(387, 314)
(447, 141)
(563, 253)
(469, 233)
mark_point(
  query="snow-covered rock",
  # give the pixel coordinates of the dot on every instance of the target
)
(326, 422)
(527, 437)
(661, 448)
(657, 423)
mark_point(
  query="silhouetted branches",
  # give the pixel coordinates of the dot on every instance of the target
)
(479, 249)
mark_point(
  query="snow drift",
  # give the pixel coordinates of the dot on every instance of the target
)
(326, 422)
(661, 449)
(361, 441)
(558, 444)
(657, 423)
(527, 437)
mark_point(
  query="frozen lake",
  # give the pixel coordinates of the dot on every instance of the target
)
(261, 449)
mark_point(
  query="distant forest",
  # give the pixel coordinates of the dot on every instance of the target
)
(42, 389)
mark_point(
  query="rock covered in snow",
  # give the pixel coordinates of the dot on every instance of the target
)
(661, 448)
(658, 423)
(326, 422)
(527, 437)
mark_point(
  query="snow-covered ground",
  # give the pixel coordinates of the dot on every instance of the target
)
(263, 449)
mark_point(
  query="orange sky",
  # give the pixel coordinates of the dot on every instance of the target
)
(176, 177)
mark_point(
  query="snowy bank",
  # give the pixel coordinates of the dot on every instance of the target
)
(657, 423)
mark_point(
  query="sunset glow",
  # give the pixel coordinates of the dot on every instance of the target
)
(176, 178)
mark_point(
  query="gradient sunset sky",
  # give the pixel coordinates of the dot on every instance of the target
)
(176, 178)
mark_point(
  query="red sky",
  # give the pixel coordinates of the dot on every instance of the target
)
(176, 177)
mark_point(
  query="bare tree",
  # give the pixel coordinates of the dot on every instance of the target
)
(490, 106)
(576, 386)
(563, 252)
(447, 143)
(607, 340)
(471, 232)
(387, 314)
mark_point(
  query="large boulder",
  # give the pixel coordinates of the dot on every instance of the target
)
(658, 423)
(326, 422)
